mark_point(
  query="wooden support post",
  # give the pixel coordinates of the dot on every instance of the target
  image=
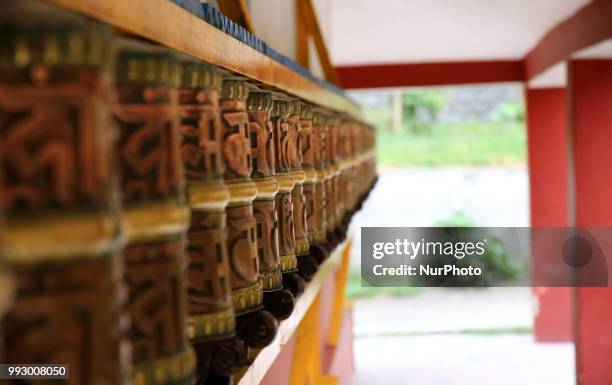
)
(398, 115)
(238, 12)
(306, 9)
(547, 148)
(590, 103)
(302, 51)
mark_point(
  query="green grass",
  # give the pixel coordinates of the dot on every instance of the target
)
(354, 288)
(476, 332)
(468, 144)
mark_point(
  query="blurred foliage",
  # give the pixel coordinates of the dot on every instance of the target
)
(421, 108)
(424, 140)
(497, 266)
(508, 112)
(357, 288)
(464, 144)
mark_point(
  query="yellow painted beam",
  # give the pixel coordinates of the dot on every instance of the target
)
(339, 296)
(306, 369)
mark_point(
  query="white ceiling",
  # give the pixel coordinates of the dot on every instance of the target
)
(403, 31)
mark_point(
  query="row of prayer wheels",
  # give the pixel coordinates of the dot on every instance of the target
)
(161, 215)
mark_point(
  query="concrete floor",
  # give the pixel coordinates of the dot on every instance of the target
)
(462, 360)
(455, 337)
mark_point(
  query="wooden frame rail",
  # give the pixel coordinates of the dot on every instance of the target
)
(170, 25)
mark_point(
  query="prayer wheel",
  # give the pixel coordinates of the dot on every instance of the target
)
(62, 240)
(155, 214)
(277, 300)
(284, 205)
(211, 321)
(255, 326)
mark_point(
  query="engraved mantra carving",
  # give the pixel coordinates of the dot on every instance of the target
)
(208, 269)
(157, 299)
(242, 246)
(299, 211)
(286, 228)
(236, 145)
(68, 314)
(44, 168)
(267, 235)
(308, 141)
(282, 140)
(201, 131)
(149, 146)
(294, 148)
(262, 143)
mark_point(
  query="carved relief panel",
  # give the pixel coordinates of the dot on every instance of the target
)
(200, 125)
(262, 134)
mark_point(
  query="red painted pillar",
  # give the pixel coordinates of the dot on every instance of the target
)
(590, 103)
(547, 149)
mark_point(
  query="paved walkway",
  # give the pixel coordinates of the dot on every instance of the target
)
(455, 337)
(462, 360)
(445, 310)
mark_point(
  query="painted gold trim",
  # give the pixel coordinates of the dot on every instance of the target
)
(285, 182)
(288, 263)
(210, 195)
(247, 298)
(59, 238)
(242, 191)
(310, 175)
(7, 288)
(149, 222)
(317, 237)
(298, 176)
(174, 369)
(302, 246)
(213, 325)
(328, 172)
(271, 280)
(266, 187)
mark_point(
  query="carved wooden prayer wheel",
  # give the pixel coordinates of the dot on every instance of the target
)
(313, 190)
(294, 155)
(155, 214)
(62, 239)
(317, 219)
(277, 300)
(211, 318)
(345, 179)
(255, 326)
(331, 180)
(284, 206)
